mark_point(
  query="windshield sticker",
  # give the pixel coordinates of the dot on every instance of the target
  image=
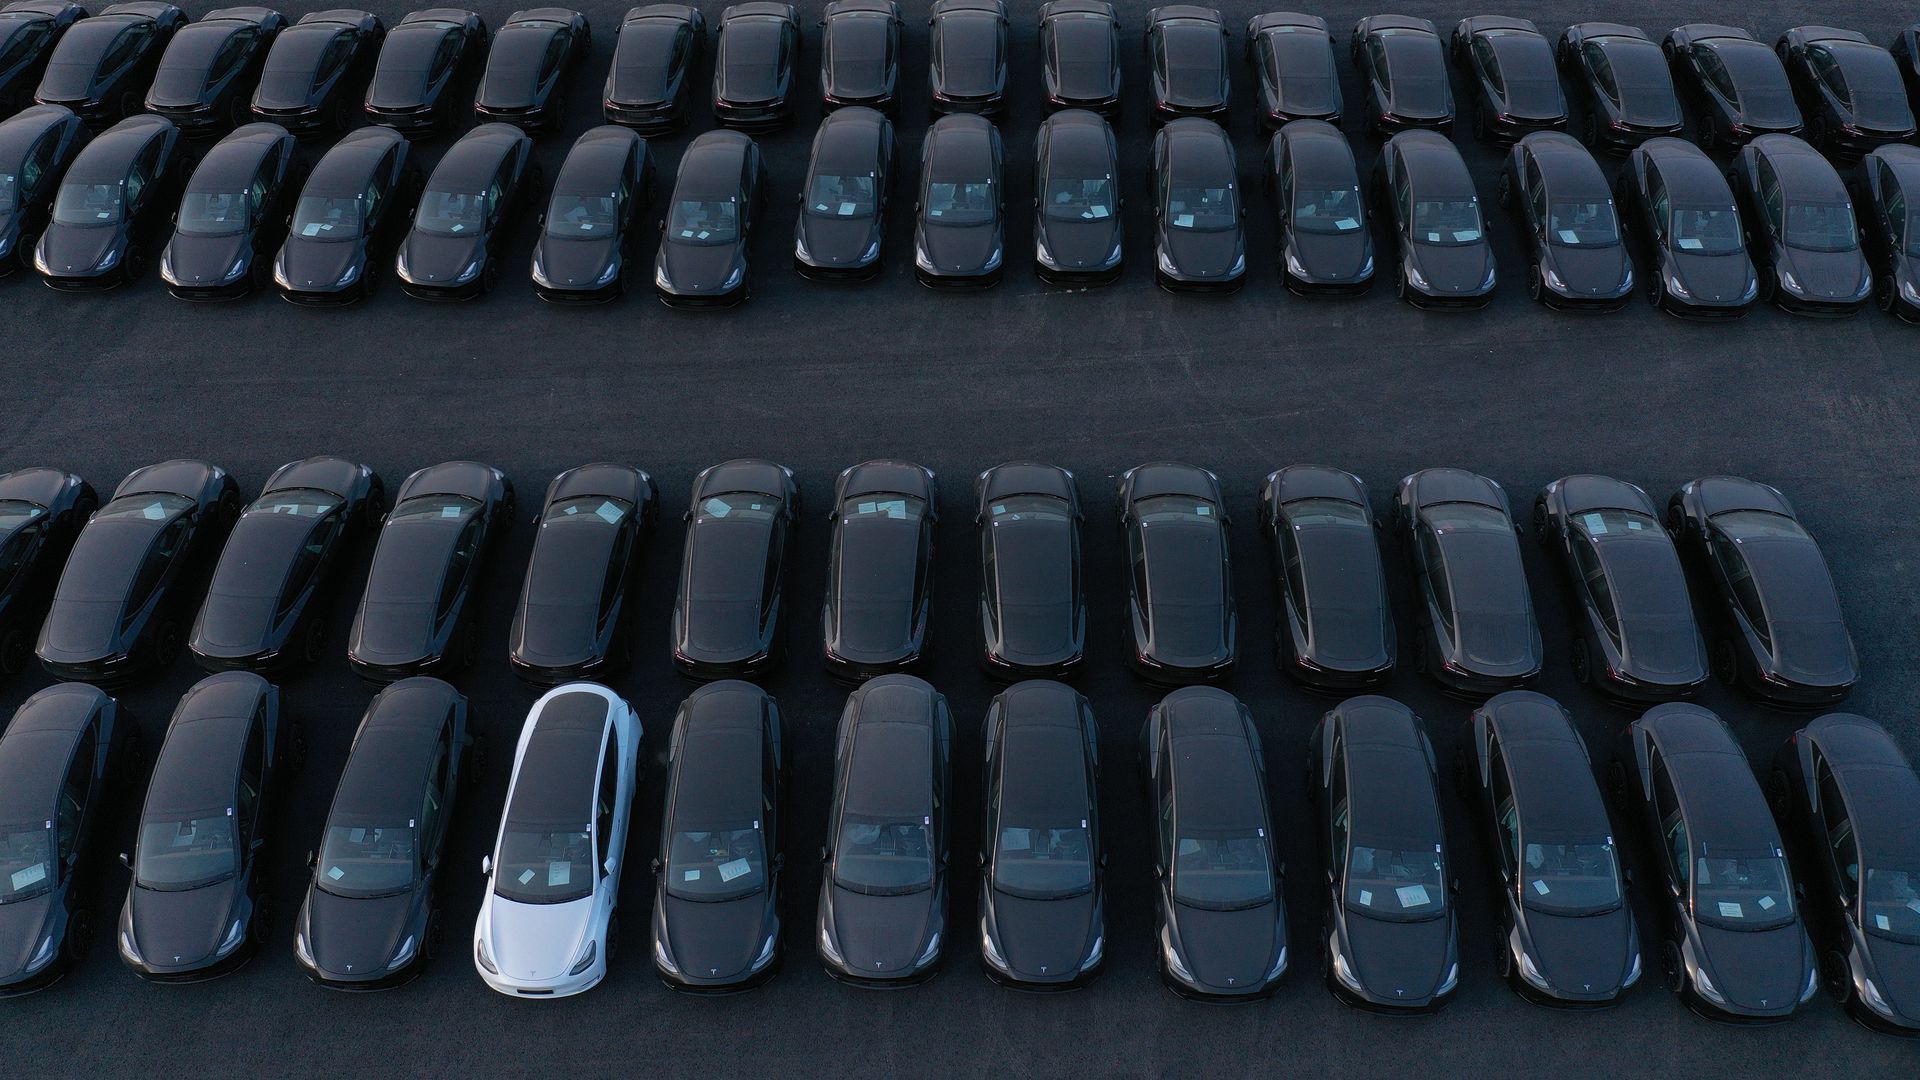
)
(1411, 896)
(1569, 236)
(847, 209)
(1462, 236)
(893, 508)
(526, 875)
(1882, 922)
(1540, 887)
(1346, 224)
(1097, 212)
(1914, 903)
(1688, 243)
(691, 875)
(998, 510)
(313, 228)
(1731, 910)
(449, 511)
(184, 837)
(358, 836)
(1188, 846)
(736, 868)
(335, 873)
(559, 872)
(154, 512)
(1016, 839)
(1366, 898)
(717, 508)
(1766, 903)
(31, 875)
(1183, 221)
(1433, 238)
(1596, 524)
(610, 513)
(1203, 510)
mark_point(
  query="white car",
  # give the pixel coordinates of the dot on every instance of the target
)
(548, 921)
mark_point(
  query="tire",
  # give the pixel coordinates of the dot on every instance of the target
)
(434, 939)
(228, 508)
(1886, 293)
(613, 937)
(1725, 664)
(1655, 293)
(14, 652)
(129, 104)
(1582, 662)
(1673, 971)
(1676, 521)
(1590, 131)
(79, 940)
(1704, 135)
(313, 643)
(166, 644)
(133, 265)
(375, 507)
(490, 276)
(237, 111)
(1769, 285)
(343, 111)
(260, 928)
(1617, 785)
(1779, 794)
(1837, 974)
(1536, 283)
(1503, 191)
(28, 242)
(1480, 129)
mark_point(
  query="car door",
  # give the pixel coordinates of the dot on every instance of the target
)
(1592, 576)
(606, 831)
(1381, 84)
(1601, 83)
(1506, 812)
(465, 557)
(1339, 818)
(250, 791)
(1716, 81)
(1832, 82)
(73, 815)
(1840, 852)
(156, 569)
(1164, 812)
(308, 561)
(619, 564)
(1670, 828)
(1772, 203)
(1432, 570)
(1402, 201)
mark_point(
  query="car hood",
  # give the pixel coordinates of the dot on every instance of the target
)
(1203, 254)
(717, 940)
(320, 264)
(1663, 646)
(1828, 275)
(433, 259)
(1718, 279)
(1499, 644)
(535, 942)
(1227, 950)
(181, 929)
(837, 241)
(1453, 268)
(22, 925)
(80, 630)
(1081, 245)
(1332, 256)
(389, 632)
(1588, 955)
(71, 249)
(576, 263)
(349, 936)
(1399, 960)
(881, 935)
(1591, 271)
(1896, 971)
(208, 260)
(1814, 653)
(960, 249)
(700, 268)
(1756, 969)
(1043, 939)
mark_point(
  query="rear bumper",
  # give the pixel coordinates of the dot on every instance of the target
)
(761, 116)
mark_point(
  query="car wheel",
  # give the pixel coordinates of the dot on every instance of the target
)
(237, 111)
(1704, 135)
(1503, 192)
(14, 652)
(1838, 975)
(468, 646)
(1725, 666)
(343, 111)
(1582, 662)
(1817, 132)
(490, 276)
(28, 242)
(1400, 288)
(435, 936)
(1779, 794)
(1886, 293)
(1656, 293)
(79, 940)
(166, 644)
(313, 644)
(129, 104)
(1502, 953)
(1480, 130)
(1460, 774)
(1536, 283)
(476, 761)
(375, 507)
(133, 265)
(260, 929)
(1617, 785)
(228, 508)
(1590, 130)
(1769, 284)
(1672, 970)
(1676, 520)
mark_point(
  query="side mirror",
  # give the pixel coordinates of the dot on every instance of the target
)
(126, 860)
(607, 867)
(824, 854)
(541, 220)
(983, 860)
(663, 225)
(1159, 871)
(486, 865)
(258, 843)
(1103, 860)
(779, 860)
(1454, 886)
(655, 866)
(313, 859)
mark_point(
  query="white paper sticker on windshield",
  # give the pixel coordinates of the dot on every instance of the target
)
(336, 873)
(1097, 212)
(1540, 887)
(154, 512)
(1203, 510)
(1366, 898)
(1882, 922)
(526, 875)
(1596, 524)
(1569, 236)
(1346, 224)
(1433, 238)
(1465, 236)
(1183, 221)
(847, 209)
(449, 511)
(610, 513)
(691, 875)
(1914, 903)
(358, 836)
(734, 869)
(312, 229)
(1411, 896)
(31, 875)
(1188, 846)
(1767, 903)
(1016, 839)
(1687, 243)
(703, 234)
(559, 872)
(1732, 911)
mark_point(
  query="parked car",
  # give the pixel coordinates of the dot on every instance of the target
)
(1623, 79)
(1404, 68)
(1849, 90)
(1187, 63)
(1680, 213)
(532, 56)
(232, 216)
(959, 232)
(1033, 614)
(41, 514)
(727, 610)
(1182, 623)
(1476, 631)
(1887, 183)
(1077, 232)
(1516, 88)
(1577, 255)
(1080, 55)
(753, 65)
(968, 69)
(111, 207)
(317, 71)
(1737, 86)
(478, 188)
(1333, 620)
(29, 30)
(592, 223)
(101, 67)
(206, 76)
(575, 619)
(1444, 259)
(1320, 211)
(657, 49)
(36, 148)
(860, 54)
(429, 61)
(844, 200)
(879, 569)
(1801, 228)
(1292, 53)
(717, 198)
(351, 214)
(1199, 235)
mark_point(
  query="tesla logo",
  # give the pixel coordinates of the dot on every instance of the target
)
(1043, 969)
(1588, 986)
(877, 963)
(713, 971)
(349, 967)
(1399, 993)
(1763, 1002)
(176, 959)
(1229, 980)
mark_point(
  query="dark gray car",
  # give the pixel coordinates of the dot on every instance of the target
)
(1292, 53)
(959, 236)
(1577, 253)
(1737, 85)
(1077, 234)
(968, 70)
(36, 147)
(574, 618)
(727, 610)
(1080, 55)
(1320, 210)
(232, 216)
(479, 187)
(860, 54)
(879, 569)
(1803, 233)
(1033, 615)
(1333, 620)
(843, 203)
(591, 225)
(1181, 616)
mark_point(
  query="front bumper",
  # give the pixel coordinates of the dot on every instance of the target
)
(935, 280)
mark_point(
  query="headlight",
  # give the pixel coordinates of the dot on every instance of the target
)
(43, 955)
(280, 273)
(739, 274)
(400, 261)
(404, 953)
(800, 248)
(166, 263)
(1114, 255)
(6, 246)
(1043, 254)
(1294, 266)
(989, 950)
(1414, 276)
(1703, 985)
(1344, 972)
(232, 941)
(109, 260)
(1094, 954)
(40, 259)
(472, 269)
(767, 949)
(304, 951)
(932, 952)
(1366, 268)
(1165, 260)
(827, 948)
(663, 957)
(481, 955)
(585, 959)
(1488, 283)
(239, 267)
(127, 948)
(1753, 290)
(1792, 283)
(993, 261)
(1912, 294)
(1633, 972)
(661, 280)
(1553, 280)
(1528, 969)
(606, 276)
(1677, 289)
(1175, 965)
(1239, 265)
(1813, 983)
(1452, 980)
(1279, 967)
(872, 252)
(1626, 278)
(352, 275)
(1870, 994)
(921, 259)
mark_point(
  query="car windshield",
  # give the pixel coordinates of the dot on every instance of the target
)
(1571, 878)
(88, 204)
(1327, 210)
(842, 196)
(321, 217)
(1446, 221)
(963, 202)
(1399, 883)
(1890, 905)
(26, 861)
(208, 214)
(740, 506)
(1821, 227)
(1582, 224)
(886, 505)
(157, 506)
(586, 216)
(1913, 233)
(450, 507)
(186, 852)
(368, 860)
(451, 213)
(1162, 509)
(1079, 200)
(704, 221)
(1222, 869)
(1201, 209)
(1706, 232)
(541, 864)
(883, 856)
(1043, 862)
(296, 502)
(717, 864)
(1305, 512)
(1742, 893)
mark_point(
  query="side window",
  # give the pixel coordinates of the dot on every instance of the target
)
(144, 167)
(333, 59)
(38, 160)
(1338, 820)
(1829, 71)
(989, 576)
(307, 562)
(234, 51)
(253, 767)
(770, 577)
(13, 553)
(463, 556)
(1896, 206)
(1163, 798)
(257, 191)
(497, 191)
(1733, 566)
(73, 797)
(124, 47)
(786, 51)
(444, 56)
(1602, 69)
(1296, 576)
(1435, 566)
(1772, 200)
(1594, 576)
(1377, 54)
(1657, 199)
(1286, 187)
(1403, 197)
(608, 795)
(1673, 826)
(682, 41)
(1716, 72)
(1537, 194)
(1506, 814)
(431, 801)
(1138, 554)
(1490, 63)
(1839, 829)
(616, 570)
(157, 561)
(556, 49)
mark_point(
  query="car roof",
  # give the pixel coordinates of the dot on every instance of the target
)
(1183, 11)
(598, 159)
(38, 745)
(1320, 151)
(1043, 773)
(200, 759)
(1212, 767)
(111, 153)
(712, 162)
(849, 139)
(553, 782)
(1566, 166)
(720, 757)
(19, 132)
(1434, 165)
(344, 169)
(1805, 172)
(965, 143)
(476, 157)
(759, 9)
(232, 162)
(1689, 173)
(396, 744)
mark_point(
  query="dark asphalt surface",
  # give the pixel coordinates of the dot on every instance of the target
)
(822, 377)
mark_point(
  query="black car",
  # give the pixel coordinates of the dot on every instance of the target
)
(428, 61)
(1735, 948)
(1736, 84)
(1477, 635)
(1801, 228)
(1566, 933)
(968, 69)
(1846, 791)
(1634, 635)
(267, 601)
(1392, 940)
(100, 67)
(352, 211)
(574, 615)
(1080, 55)
(1516, 89)
(1888, 183)
(318, 70)
(716, 901)
(1220, 915)
(753, 65)
(592, 223)
(1182, 623)
(1404, 66)
(879, 569)
(1680, 213)
(1292, 53)
(480, 185)
(1333, 621)
(111, 206)
(1444, 259)
(1577, 257)
(860, 54)
(232, 216)
(117, 609)
(1042, 889)
(726, 612)
(717, 198)
(1623, 79)
(41, 513)
(207, 75)
(656, 49)
(201, 902)
(843, 205)
(1077, 234)
(1850, 90)
(1780, 632)
(63, 762)
(36, 147)
(29, 30)
(1033, 613)
(1199, 237)
(420, 612)
(528, 64)
(372, 916)
(1187, 63)
(1320, 211)
(883, 889)
(959, 235)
